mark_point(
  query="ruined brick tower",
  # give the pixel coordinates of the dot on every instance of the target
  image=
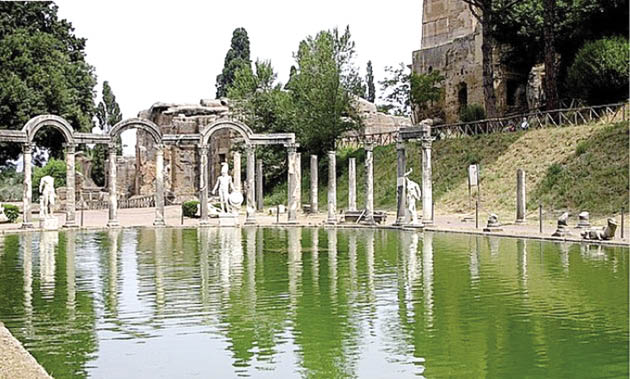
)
(451, 43)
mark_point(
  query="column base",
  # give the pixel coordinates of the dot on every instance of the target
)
(70, 225)
(331, 221)
(517, 221)
(204, 223)
(250, 221)
(159, 223)
(27, 225)
(113, 224)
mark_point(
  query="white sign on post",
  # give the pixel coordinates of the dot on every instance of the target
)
(473, 175)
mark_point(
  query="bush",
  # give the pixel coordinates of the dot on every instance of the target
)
(599, 73)
(189, 208)
(472, 112)
(11, 185)
(11, 211)
(55, 168)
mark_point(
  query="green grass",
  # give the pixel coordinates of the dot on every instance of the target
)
(574, 168)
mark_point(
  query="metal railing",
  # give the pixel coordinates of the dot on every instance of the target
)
(535, 120)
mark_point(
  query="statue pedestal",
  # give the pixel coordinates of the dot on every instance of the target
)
(226, 219)
(561, 231)
(49, 223)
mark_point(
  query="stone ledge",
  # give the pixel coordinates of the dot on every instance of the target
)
(15, 361)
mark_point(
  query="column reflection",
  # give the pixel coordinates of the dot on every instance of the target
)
(315, 259)
(332, 261)
(352, 262)
(521, 254)
(427, 275)
(70, 272)
(158, 251)
(114, 236)
(204, 245)
(250, 235)
(473, 245)
(294, 264)
(27, 263)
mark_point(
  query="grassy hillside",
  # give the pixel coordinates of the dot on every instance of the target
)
(575, 168)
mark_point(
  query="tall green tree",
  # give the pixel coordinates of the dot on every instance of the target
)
(395, 90)
(267, 108)
(324, 88)
(369, 80)
(549, 36)
(42, 71)
(237, 56)
(108, 114)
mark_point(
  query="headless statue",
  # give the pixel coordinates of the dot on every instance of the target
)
(414, 193)
(47, 196)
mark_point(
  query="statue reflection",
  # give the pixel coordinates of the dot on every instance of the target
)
(332, 261)
(294, 265)
(493, 246)
(27, 263)
(47, 245)
(71, 250)
(427, 275)
(230, 258)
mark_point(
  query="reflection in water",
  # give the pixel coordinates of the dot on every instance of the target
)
(71, 251)
(474, 261)
(47, 245)
(427, 275)
(332, 263)
(27, 266)
(213, 302)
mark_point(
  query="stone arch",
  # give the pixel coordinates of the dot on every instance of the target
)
(33, 125)
(238, 126)
(137, 123)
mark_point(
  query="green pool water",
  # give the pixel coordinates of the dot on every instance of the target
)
(282, 303)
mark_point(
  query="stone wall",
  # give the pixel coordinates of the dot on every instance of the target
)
(451, 43)
(181, 162)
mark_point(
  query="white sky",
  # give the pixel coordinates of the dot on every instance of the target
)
(172, 51)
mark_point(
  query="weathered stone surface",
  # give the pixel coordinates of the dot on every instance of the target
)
(332, 188)
(583, 220)
(606, 233)
(520, 196)
(493, 224)
(562, 230)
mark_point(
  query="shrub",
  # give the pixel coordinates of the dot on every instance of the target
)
(472, 112)
(11, 211)
(189, 208)
(599, 72)
(11, 185)
(55, 168)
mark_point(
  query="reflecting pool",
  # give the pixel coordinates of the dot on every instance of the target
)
(299, 302)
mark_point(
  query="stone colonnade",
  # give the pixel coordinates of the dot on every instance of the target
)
(26, 134)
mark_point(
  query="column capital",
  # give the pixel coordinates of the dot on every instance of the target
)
(400, 145)
(203, 148)
(27, 148)
(112, 147)
(159, 148)
(368, 146)
(249, 148)
(70, 147)
(292, 147)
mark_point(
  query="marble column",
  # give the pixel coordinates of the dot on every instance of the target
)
(251, 186)
(520, 196)
(298, 172)
(332, 189)
(203, 183)
(159, 186)
(352, 184)
(369, 184)
(401, 209)
(314, 205)
(292, 184)
(27, 195)
(113, 199)
(236, 171)
(70, 187)
(259, 185)
(427, 179)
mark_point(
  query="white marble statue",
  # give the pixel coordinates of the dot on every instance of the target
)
(414, 193)
(46, 196)
(225, 186)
